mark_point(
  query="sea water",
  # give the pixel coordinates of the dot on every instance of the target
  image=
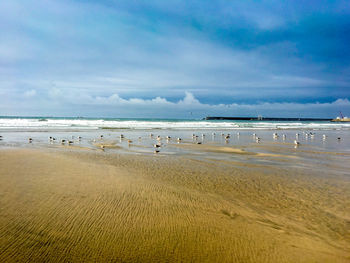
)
(71, 123)
(313, 151)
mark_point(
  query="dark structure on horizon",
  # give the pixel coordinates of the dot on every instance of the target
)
(265, 119)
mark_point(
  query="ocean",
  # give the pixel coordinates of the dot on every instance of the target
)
(73, 123)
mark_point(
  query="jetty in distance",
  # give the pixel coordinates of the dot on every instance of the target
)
(341, 118)
(260, 118)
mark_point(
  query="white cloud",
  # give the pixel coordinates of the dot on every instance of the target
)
(30, 93)
(59, 102)
(163, 108)
(54, 93)
(189, 99)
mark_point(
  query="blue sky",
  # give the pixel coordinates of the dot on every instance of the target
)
(176, 59)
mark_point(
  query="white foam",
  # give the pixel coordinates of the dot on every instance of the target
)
(53, 123)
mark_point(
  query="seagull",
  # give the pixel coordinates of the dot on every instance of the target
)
(296, 142)
(30, 140)
(121, 136)
(257, 139)
(101, 136)
(199, 142)
(179, 140)
(156, 145)
(70, 142)
(156, 151)
(63, 141)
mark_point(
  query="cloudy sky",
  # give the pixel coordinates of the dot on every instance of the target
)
(175, 59)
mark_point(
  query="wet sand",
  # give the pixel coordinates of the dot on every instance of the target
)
(59, 205)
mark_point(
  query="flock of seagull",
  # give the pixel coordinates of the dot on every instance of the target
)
(195, 139)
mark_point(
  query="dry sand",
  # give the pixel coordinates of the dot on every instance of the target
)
(62, 206)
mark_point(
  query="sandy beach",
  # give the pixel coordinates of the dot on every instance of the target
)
(60, 205)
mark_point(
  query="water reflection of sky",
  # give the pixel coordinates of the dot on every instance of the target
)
(313, 151)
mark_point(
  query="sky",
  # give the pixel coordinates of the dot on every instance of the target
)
(174, 59)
